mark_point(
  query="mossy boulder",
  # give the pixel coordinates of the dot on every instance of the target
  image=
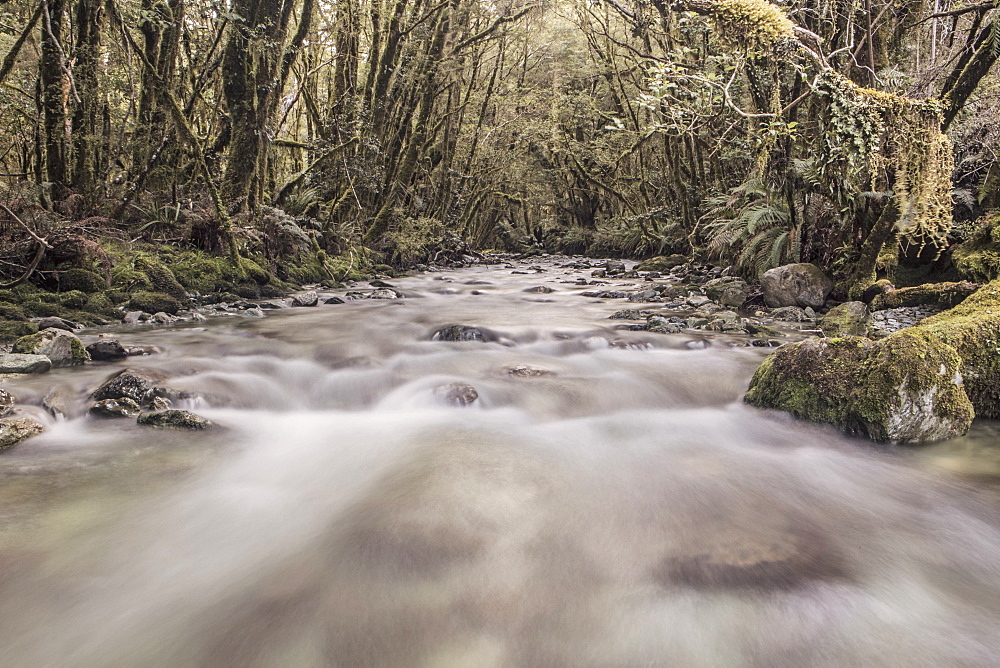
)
(937, 294)
(10, 311)
(847, 319)
(82, 280)
(662, 263)
(906, 388)
(728, 290)
(61, 347)
(75, 299)
(161, 279)
(12, 330)
(802, 284)
(979, 258)
(153, 302)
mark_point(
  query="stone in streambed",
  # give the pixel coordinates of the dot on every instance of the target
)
(16, 430)
(456, 394)
(801, 284)
(847, 319)
(463, 333)
(305, 299)
(115, 408)
(61, 347)
(175, 419)
(6, 403)
(17, 363)
(107, 350)
(140, 385)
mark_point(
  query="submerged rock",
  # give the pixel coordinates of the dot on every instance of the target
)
(61, 347)
(18, 363)
(305, 299)
(140, 385)
(115, 408)
(525, 371)
(6, 402)
(456, 394)
(847, 319)
(800, 284)
(463, 333)
(16, 430)
(175, 419)
(540, 289)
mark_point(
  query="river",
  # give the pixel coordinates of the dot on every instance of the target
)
(606, 501)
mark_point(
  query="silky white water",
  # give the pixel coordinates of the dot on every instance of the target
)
(613, 504)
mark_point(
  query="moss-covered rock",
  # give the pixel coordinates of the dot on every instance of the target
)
(160, 277)
(847, 319)
(978, 259)
(82, 280)
(802, 284)
(937, 294)
(74, 299)
(61, 347)
(153, 302)
(906, 388)
(10, 311)
(662, 263)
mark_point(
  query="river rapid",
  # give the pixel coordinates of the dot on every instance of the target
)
(606, 501)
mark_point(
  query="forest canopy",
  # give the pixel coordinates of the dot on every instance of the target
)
(853, 135)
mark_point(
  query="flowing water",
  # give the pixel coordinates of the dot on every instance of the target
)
(607, 501)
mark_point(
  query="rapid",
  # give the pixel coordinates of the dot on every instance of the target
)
(606, 500)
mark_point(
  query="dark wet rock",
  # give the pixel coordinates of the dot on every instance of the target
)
(801, 284)
(6, 402)
(875, 289)
(728, 290)
(305, 299)
(17, 363)
(334, 300)
(847, 319)
(662, 325)
(524, 371)
(175, 419)
(160, 403)
(61, 347)
(645, 296)
(519, 272)
(464, 333)
(380, 284)
(163, 318)
(598, 273)
(605, 294)
(354, 294)
(115, 408)
(107, 349)
(57, 323)
(253, 312)
(16, 430)
(540, 289)
(456, 394)
(140, 385)
(891, 320)
(627, 314)
(760, 329)
(790, 314)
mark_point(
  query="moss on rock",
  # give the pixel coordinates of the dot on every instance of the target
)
(847, 319)
(153, 302)
(82, 280)
(12, 330)
(938, 294)
(662, 263)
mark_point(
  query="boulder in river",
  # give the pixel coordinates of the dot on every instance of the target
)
(801, 284)
(175, 419)
(847, 319)
(58, 323)
(107, 350)
(464, 333)
(115, 408)
(140, 385)
(16, 430)
(662, 263)
(906, 388)
(305, 299)
(614, 267)
(61, 347)
(540, 289)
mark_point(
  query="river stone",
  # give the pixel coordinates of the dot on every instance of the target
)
(614, 267)
(790, 314)
(305, 299)
(383, 293)
(60, 401)
(6, 402)
(525, 371)
(463, 333)
(662, 263)
(847, 319)
(14, 363)
(906, 388)
(801, 284)
(58, 323)
(135, 317)
(140, 385)
(456, 394)
(540, 289)
(175, 419)
(61, 347)
(334, 300)
(107, 350)
(115, 408)
(15, 430)
(627, 314)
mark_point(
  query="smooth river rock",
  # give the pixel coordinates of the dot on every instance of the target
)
(20, 363)
(801, 284)
(61, 347)
(175, 419)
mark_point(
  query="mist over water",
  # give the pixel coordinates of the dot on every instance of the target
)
(606, 501)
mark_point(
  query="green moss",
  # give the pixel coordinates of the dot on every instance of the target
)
(39, 309)
(100, 303)
(160, 277)
(847, 319)
(153, 302)
(938, 294)
(12, 330)
(204, 274)
(73, 299)
(662, 263)
(82, 280)
(10, 311)
(127, 279)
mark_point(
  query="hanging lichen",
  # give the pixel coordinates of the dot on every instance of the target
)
(755, 24)
(879, 130)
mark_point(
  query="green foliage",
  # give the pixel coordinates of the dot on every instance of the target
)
(153, 302)
(753, 226)
(83, 280)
